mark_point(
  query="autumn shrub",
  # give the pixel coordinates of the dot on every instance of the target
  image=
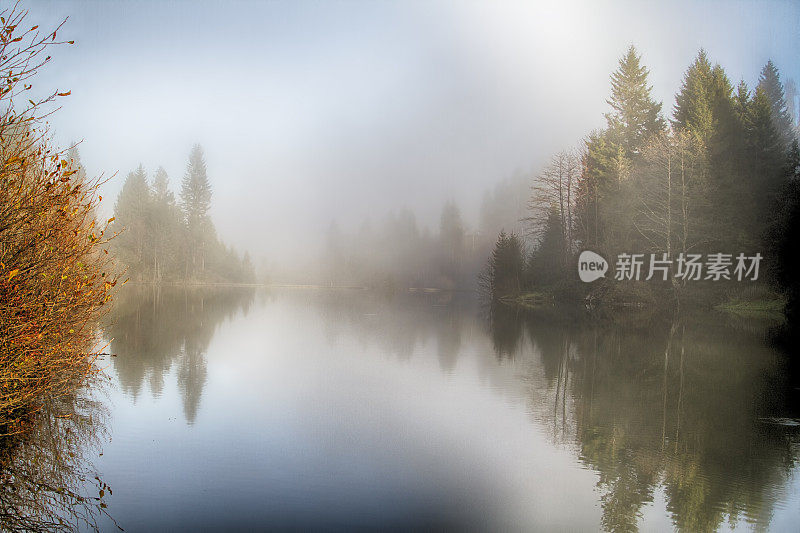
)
(54, 271)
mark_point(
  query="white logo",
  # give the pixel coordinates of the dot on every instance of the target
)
(591, 266)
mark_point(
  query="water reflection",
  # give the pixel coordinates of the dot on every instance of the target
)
(154, 328)
(689, 405)
(47, 481)
(371, 410)
(398, 323)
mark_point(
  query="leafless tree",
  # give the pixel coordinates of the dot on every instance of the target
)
(556, 185)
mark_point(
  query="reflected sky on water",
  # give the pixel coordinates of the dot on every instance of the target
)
(347, 409)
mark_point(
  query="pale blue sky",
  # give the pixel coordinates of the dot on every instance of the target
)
(314, 110)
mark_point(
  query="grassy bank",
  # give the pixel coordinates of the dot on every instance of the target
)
(764, 308)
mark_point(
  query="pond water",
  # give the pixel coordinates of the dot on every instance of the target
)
(249, 409)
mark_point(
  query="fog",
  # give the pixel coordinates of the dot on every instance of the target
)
(316, 112)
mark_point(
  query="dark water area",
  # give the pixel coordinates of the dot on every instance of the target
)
(242, 409)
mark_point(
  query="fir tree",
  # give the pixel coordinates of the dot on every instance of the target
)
(451, 236)
(635, 116)
(504, 271)
(693, 110)
(770, 83)
(166, 226)
(131, 214)
(547, 261)
(707, 109)
(196, 202)
(195, 187)
(785, 234)
(766, 144)
(790, 88)
(161, 191)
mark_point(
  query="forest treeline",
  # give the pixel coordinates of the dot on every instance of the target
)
(399, 252)
(161, 239)
(721, 174)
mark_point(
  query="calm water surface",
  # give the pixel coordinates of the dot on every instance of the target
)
(242, 409)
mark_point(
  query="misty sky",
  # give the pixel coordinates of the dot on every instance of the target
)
(320, 110)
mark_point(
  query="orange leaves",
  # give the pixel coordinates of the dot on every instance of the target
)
(14, 159)
(51, 291)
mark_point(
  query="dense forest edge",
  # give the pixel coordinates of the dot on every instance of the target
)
(163, 240)
(721, 176)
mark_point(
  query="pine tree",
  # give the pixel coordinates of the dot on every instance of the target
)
(161, 191)
(451, 236)
(248, 270)
(635, 116)
(195, 187)
(196, 202)
(693, 110)
(785, 234)
(741, 101)
(504, 270)
(166, 227)
(603, 195)
(766, 159)
(790, 87)
(707, 109)
(770, 83)
(547, 261)
(131, 214)
(74, 158)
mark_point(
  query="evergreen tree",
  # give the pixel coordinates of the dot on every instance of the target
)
(785, 234)
(74, 157)
(166, 227)
(790, 88)
(765, 146)
(693, 108)
(451, 236)
(503, 274)
(770, 83)
(162, 241)
(604, 198)
(195, 187)
(131, 214)
(248, 270)
(547, 261)
(741, 101)
(451, 230)
(707, 109)
(635, 116)
(161, 191)
(196, 202)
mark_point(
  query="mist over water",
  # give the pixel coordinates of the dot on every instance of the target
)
(312, 113)
(349, 409)
(370, 265)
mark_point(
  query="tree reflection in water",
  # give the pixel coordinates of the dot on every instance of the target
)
(47, 482)
(662, 408)
(686, 405)
(152, 328)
